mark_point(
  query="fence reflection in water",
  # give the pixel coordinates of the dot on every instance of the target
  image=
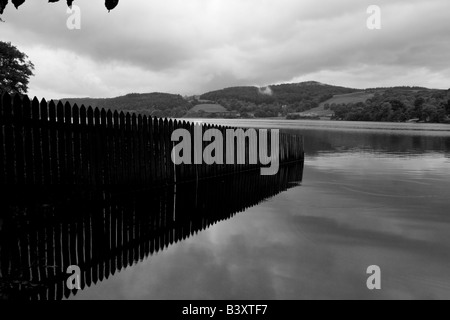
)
(44, 232)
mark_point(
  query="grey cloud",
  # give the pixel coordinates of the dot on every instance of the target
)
(219, 43)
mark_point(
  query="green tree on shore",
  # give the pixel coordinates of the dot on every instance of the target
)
(15, 69)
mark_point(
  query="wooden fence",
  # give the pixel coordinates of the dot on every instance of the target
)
(44, 143)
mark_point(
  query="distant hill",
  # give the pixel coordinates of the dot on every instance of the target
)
(155, 104)
(248, 101)
(282, 93)
(313, 99)
(275, 100)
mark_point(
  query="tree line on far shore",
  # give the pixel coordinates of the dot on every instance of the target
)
(398, 105)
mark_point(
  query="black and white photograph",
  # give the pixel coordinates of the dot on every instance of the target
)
(224, 156)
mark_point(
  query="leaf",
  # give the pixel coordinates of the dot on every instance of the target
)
(111, 4)
(3, 4)
(18, 3)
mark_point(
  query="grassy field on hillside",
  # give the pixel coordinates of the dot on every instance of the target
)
(208, 108)
(348, 98)
(341, 99)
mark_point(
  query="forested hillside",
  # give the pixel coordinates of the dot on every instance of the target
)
(155, 104)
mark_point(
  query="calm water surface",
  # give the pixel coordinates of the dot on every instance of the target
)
(372, 194)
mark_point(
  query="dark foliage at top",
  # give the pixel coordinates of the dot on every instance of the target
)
(109, 4)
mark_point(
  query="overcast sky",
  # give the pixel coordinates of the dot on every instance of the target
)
(193, 46)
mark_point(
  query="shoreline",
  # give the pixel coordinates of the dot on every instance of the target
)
(330, 125)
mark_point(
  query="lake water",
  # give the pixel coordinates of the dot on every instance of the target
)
(372, 194)
(368, 194)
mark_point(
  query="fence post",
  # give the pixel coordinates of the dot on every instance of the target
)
(129, 152)
(168, 149)
(118, 176)
(9, 139)
(53, 144)
(27, 127)
(112, 167)
(84, 178)
(76, 145)
(134, 150)
(37, 142)
(2, 150)
(169, 144)
(122, 148)
(45, 134)
(18, 140)
(140, 141)
(152, 149)
(93, 165)
(98, 147)
(61, 143)
(105, 147)
(145, 150)
(157, 160)
(162, 133)
(68, 130)
(176, 169)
